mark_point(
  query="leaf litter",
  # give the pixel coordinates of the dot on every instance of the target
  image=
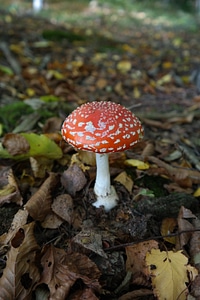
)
(57, 244)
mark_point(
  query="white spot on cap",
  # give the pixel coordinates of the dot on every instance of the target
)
(111, 127)
(80, 124)
(89, 127)
(117, 141)
(90, 138)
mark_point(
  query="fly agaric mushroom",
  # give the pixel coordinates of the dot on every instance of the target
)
(102, 127)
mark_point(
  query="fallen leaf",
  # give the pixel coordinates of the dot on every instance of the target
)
(88, 241)
(39, 205)
(73, 179)
(10, 192)
(136, 260)
(124, 66)
(168, 226)
(125, 180)
(21, 272)
(168, 271)
(26, 145)
(61, 270)
(184, 224)
(137, 163)
(63, 206)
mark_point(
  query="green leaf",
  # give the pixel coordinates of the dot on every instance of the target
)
(40, 145)
(6, 70)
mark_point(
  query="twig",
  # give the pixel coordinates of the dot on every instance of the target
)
(157, 237)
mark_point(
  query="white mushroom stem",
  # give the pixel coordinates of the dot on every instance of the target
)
(105, 193)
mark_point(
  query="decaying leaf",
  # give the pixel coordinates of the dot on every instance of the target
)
(168, 271)
(41, 166)
(10, 191)
(168, 226)
(134, 295)
(125, 180)
(19, 220)
(21, 272)
(86, 293)
(26, 145)
(61, 270)
(184, 224)
(88, 241)
(136, 260)
(63, 206)
(15, 144)
(183, 176)
(195, 244)
(52, 221)
(39, 205)
(73, 179)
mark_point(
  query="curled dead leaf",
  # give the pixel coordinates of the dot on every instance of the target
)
(21, 272)
(39, 205)
(61, 270)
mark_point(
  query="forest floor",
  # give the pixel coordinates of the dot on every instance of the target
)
(54, 244)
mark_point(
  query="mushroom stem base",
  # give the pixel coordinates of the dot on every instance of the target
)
(109, 201)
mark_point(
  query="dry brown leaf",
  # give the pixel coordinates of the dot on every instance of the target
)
(101, 83)
(63, 206)
(184, 177)
(183, 220)
(39, 205)
(136, 258)
(86, 293)
(41, 166)
(195, 244)
(168, 226)
(10, 191)
(87, 158)
(52, 126)
(19, 220)
(125, 180)
(73, 179)
(195, 287)
(15, 144)
(136, 294)
(88, 241)
(21, 272)
(148, 150)
(52, 221)
(61, 270)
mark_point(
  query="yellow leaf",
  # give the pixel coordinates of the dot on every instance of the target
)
(77, 63)
(168, 271)
(125, 180)
(168, 226)
(165, 79)
(30, 92)
(136, 92)
(137, 163)
(197, 192)
(167, 65)
(124, 66)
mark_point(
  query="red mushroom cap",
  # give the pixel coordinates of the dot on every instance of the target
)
(102, 127)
